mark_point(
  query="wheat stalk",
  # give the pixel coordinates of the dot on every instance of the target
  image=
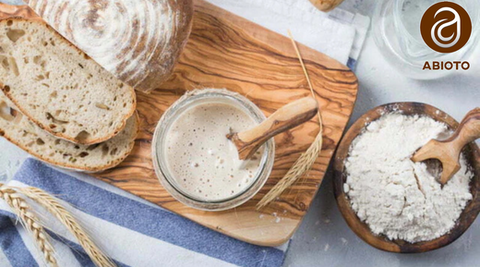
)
(305, 162)
(55, 208)
(30, 222)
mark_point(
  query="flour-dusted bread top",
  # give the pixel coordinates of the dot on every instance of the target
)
(91, 158)
(139, 41)
(58, 87)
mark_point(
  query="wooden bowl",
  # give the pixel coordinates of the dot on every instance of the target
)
(361, 229)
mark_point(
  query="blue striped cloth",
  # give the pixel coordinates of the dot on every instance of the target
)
(130, 230)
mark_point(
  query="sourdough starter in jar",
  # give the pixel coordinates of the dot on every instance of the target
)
(202, 160)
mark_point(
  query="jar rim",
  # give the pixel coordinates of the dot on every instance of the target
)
(162, 171)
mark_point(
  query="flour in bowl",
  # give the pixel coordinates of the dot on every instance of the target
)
(395, 196)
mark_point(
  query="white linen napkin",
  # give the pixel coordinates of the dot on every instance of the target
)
(338, 34)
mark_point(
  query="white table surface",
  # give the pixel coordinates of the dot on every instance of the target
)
(324, 238)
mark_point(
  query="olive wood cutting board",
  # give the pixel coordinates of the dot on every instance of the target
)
(227, 51)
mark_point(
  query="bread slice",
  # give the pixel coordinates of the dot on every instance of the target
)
(90, 158)
(58, 87)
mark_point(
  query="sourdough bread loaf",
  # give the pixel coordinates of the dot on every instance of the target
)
(139, 41)
(90, 158)
(58, 87)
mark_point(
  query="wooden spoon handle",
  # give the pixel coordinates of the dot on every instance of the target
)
(287, 117)
(468, 131)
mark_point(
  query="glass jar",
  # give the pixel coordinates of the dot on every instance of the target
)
(396, 30)
(159, 145)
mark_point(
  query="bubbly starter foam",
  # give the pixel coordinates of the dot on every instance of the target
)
(202, 160)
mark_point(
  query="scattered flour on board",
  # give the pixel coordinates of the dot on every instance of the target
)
(395, 196)
(277, 218)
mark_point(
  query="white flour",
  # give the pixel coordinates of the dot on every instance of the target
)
(395, 196)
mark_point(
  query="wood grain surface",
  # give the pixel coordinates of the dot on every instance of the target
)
(227, 51)
(361, 229)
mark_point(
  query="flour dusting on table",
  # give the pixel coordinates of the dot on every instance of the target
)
(395, 196)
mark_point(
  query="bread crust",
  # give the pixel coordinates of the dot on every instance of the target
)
(164, 48)
(76, 167)
(46, 128)
(175, 48)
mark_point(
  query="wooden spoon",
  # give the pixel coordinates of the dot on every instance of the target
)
(448, 151)
(326, 5)
(287, 117)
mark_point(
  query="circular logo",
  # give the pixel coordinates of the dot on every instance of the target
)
(446, 27)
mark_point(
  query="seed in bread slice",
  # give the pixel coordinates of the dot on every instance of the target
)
(90, 158)
(58, 87)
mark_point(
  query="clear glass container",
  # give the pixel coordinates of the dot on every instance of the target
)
(159, 144)
(396, 30)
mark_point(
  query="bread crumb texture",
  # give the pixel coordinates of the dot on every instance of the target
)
(92, 158)
(58, 87)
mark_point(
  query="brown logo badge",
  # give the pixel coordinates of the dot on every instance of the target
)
(446, 27)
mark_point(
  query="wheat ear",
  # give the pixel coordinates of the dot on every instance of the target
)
(305, 162)
(55, 208)
(30, 222)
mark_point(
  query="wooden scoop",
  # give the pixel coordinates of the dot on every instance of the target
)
(448, 151)
(288, 117)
